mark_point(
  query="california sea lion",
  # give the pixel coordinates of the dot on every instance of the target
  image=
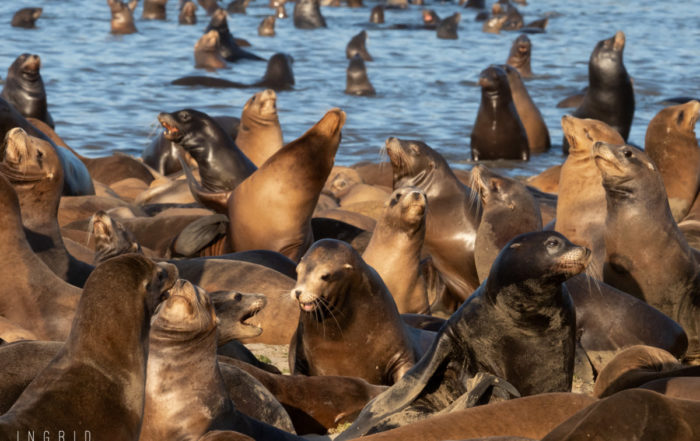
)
(453, 214)
(307, 15)
(24, 88)
(610, 95)
(187, 13)
(229, 49)
(498, 132)
(357, 82)
(280, 12)
(90, 384)
(377, 15)
(210, 6)
(154, 9)
(665, 275)
(260, 134)
(430, 19)
(349, 324)
(207, 52)
(447, 29)
(26, 17)
(267, 26)
(122, 16)
(521, 309)
(111, 238)
(671, 143)
(237, 6)
(520, 54)
(533, 122)
(357, 46)
(270, 210)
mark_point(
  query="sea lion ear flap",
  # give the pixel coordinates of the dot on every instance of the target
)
(132, 5)
(348, 267)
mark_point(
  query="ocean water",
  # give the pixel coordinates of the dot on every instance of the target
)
(104, 91)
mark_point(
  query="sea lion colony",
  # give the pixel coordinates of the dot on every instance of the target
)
(428, 302)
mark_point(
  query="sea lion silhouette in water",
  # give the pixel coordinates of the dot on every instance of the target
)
(122, 16)
(229, 49)
(447, 29)
(24, 88)
(267, 26)
(307, 15)
(154, 10)
(357, 82)
(520, 54)
(278, 76)
(188, 14)
(357, 46)
(26, 18)
(537, 133)
(206, 52)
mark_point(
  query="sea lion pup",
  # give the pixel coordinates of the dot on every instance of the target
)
(259, 134)
(452, 219)
(206, 52)
(535, 127)
(357, 82)
(498, 132)
(632, 414)
(187, 13)
(267, 26)
(99, 376)
(270, 210)
(520, 54)
(229, 49)
(34, 169)
(154, 9)
(610, 95)
(523, 300)
(581, 203)
(122, 16)
(357, 46)
(665, 275)
(222, 166)
(26, 18)
(24, 88)
(111, 238)
(307, 15)
(376, 16)
(394, 250)
(447, 29)
(349, 324)
(671, 143)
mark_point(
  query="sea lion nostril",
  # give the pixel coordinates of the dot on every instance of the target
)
(297, 293)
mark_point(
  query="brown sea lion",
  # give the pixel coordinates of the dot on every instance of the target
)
(357, 46)
(26, 17)
(269, 211)
(24, 88)
(535, 127)
(280, 12)
(357, 82)
(307, 15)
(90, 384)
(547, 181)
(210, 6)
(188, 14)
(671, 143)
(259, 134)
(206, 52)
(154, 10)
(520, 54)
(122, 16)
(237, 6)
(498, 132)
(111, 238)
(685, 388)
(377, 15)
(266, 28)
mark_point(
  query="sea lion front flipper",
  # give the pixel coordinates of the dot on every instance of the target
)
(483, 388)
(199, 234)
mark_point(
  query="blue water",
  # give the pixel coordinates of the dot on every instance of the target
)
(105, 91)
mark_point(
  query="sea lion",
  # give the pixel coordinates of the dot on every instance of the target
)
(349, 324)
(357, 82)
(91, 384)
(521, 309)
(520, 54)
(259, 134)
(210, 6)
(206, 52)
(187, 13)
(447, 29)
(610, 95)
(498, 132)
(229, 49)
(452, 219)
(237, 6)
(394, 250)
(26, 18)
(357, 46)
(430, 19)
(685, 388)
(267, 26)
(533, 122)
(270, 210)
(665, 275)
(376, 16)
(671, 143)
(122, 16)
(222, 166)
(280, 12)
(111, 238)
(154, 10)
(307, 15)
(24, 88)
(476, 4)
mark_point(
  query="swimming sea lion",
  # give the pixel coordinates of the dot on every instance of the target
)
(307, 15)
(447, 29)
(259, 134)
(229, 49)
(377, 15)
(210, 6)
(498, 132)
(154, 9)
(520, 310)
(122, 16)
(357, 82)
(26, 17)
(187, 13)
(280, 12)
(207, 52)
(267, 26)
(431, 19)
(357, 46)
(535, 127)
(520, 54)
(24, 88)
(237, 6)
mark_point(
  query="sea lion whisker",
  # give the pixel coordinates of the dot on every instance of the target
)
(324, 302)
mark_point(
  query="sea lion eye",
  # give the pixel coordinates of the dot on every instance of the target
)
(681, 116)
(552, 243)
(326, 277)
(628, 153)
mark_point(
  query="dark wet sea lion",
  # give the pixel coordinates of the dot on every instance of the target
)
(259, 134)
(610, 95)
(447, 29)
(476, 4)
(26, 17)
(229, 49)
(665, 275)
(122, 16)
(222, 166)
(498, 132)
(533, 122)
(357, 46)
(349, 324)
(24, 88)
(377, 15)
(270, 210)
(430, 19)
(154, 10)
(90, 384)
(685, 388)
(210, 6)
(357, 82)
(187, 13)
(671, 143)
(237, 6)
(521, 309)
(520, 54)
(307, 15)
(453, 215)
(267, 26)
(207, 52)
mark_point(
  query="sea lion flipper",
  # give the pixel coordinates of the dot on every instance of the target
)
(199, 234)
(215, 201)
(298, 364)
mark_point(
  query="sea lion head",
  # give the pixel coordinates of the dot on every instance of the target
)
(406, 209)
(184, 124)
(209, 42)
(262, 106)
(606, 57)
(237, 311)
(412, 161)
(494, 82)
(627, 171)
(27, 160)
(111, 238)
(187, 312)
(430, 17)
(26, 66)
(678, 119)
(581, 134)
(279, 73)
(522, 46)
(494, 189)
(324, 276)
(218, 20)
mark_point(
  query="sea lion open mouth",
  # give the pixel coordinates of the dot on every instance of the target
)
(307, 306)
(172, 133)
(254, 308)
(16, 164)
